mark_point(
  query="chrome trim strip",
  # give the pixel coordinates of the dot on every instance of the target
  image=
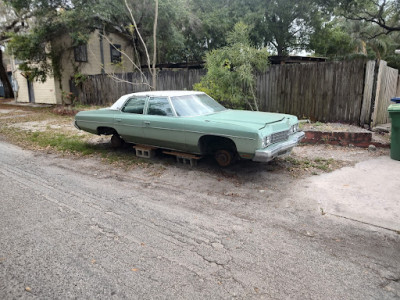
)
(129, 125)
(94, 122)
(200, 132)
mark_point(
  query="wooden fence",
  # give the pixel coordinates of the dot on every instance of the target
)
(321, 92)
(356, 92)
(104, 90)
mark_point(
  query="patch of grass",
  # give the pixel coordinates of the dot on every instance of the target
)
(61, 142)
(305, 165)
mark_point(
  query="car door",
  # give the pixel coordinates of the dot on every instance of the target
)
(161, 126)
(129, 121)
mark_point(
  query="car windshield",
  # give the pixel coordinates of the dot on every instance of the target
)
(195, 105)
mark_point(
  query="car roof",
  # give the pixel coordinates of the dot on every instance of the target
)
(166, 93)
(120, 102)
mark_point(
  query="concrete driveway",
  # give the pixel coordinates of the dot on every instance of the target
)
(369, 192)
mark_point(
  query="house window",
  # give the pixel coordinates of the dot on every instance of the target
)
(80, 53)
(115, 51)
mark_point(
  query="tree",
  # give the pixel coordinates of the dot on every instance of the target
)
(383, 13)
(284, 24)
(10, 21)
(331, 40)
(230, 77)
(343, 38)
(172, 15)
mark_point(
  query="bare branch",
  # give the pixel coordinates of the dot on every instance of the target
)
(138, 33)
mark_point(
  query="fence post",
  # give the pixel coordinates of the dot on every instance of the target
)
(365, 115)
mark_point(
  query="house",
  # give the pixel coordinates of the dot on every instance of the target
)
(101, 54)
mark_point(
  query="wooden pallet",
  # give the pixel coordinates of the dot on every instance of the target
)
(184, 157)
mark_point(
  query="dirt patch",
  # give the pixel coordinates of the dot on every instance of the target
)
(331, 127)
(65, 111)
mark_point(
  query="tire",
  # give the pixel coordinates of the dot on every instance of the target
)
(116, 141)
(223, 157)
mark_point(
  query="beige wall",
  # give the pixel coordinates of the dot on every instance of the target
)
(94, 65)
(44, 92)
(22, 87)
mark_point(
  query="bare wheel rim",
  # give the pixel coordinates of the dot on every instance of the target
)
(223, 157)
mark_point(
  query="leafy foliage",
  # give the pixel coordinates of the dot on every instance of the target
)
(231, 70)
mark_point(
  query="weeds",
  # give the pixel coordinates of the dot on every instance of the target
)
(312, 166)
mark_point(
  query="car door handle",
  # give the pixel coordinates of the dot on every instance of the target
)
(118, 120)
(146, 122)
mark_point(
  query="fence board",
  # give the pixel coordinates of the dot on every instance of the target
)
(398, 87)
(386, 89)
(365, 117)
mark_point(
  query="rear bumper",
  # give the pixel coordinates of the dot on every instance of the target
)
(269, 153)
(76, 125)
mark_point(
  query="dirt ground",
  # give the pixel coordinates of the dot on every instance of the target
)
(99, 223)
(245, 178)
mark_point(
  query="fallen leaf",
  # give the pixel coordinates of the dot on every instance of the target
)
(93, 261)
(28, 289)
(134, 270)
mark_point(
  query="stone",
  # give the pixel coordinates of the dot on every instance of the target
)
(371, 148)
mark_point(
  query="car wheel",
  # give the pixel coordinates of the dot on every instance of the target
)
(116, 141)
(224, 157)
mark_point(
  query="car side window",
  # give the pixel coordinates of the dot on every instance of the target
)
(134, 105)
(159, 106)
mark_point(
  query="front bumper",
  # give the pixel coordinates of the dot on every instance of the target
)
(269, 153)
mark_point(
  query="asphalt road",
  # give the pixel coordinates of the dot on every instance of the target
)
(78, 229)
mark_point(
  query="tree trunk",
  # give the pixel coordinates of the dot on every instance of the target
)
(154, 74)
(8, 91)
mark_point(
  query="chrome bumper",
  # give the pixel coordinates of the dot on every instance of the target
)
(269, 153)
(76, 125)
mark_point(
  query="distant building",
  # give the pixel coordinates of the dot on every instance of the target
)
(292, 59)
(99, 55)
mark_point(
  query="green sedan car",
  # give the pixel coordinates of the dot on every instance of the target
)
(193, 122)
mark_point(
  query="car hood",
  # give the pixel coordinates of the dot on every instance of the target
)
(251, 119)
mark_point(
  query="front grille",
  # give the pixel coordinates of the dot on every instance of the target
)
(279, 137)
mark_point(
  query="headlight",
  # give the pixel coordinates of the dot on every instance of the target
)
(294, 128)
(266, 142)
